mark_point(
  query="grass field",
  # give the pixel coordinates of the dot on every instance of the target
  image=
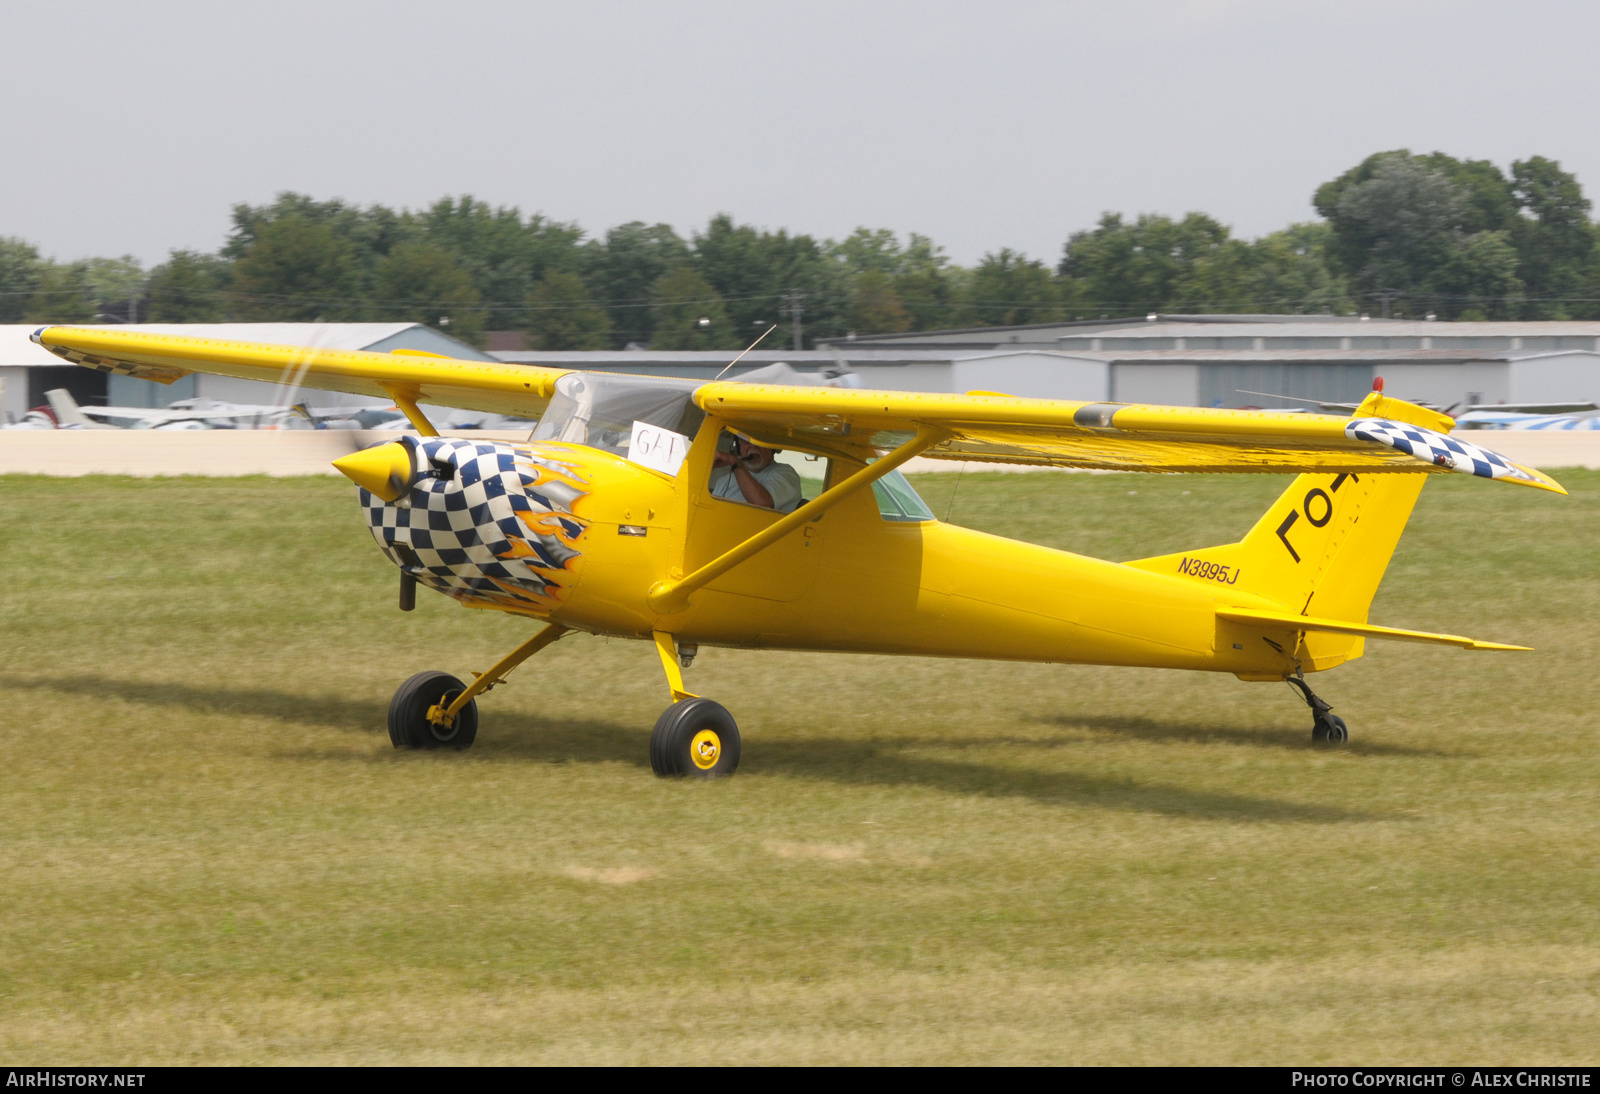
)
(212, 854)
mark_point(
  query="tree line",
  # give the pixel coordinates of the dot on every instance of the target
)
(1400, 234)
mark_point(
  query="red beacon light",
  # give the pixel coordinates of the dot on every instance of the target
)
(1377, 383)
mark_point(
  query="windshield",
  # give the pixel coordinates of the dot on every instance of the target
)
(598, 409)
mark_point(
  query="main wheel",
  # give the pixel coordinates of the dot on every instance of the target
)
(696, 737)
(408, 713)
(1331, 728)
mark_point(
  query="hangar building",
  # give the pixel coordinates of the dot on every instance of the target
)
(1257, 360)
(1187, 360)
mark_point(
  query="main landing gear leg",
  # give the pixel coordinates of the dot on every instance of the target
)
(695, 736)
(1325, 726)
(435, 710)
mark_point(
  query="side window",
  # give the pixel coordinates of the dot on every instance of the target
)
(813, 471)
(792, 478)
(897, 501)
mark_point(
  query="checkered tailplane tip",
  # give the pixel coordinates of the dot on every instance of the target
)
(1436, 448)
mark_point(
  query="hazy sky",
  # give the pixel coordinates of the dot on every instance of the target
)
(135, 126)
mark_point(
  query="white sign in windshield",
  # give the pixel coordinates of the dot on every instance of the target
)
(656, 448)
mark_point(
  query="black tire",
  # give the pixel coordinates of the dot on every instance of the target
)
(408, 713)
(1330, 728)
(695, 738)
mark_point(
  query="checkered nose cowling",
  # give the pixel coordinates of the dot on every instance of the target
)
(485, 522)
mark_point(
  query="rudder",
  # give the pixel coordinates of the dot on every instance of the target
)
(1323, 546)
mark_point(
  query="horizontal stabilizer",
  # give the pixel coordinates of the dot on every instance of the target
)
(1364, 630)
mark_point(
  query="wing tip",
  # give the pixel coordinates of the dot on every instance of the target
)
(1538, 480)
(1476, 645)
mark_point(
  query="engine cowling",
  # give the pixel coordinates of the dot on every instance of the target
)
(487, 523)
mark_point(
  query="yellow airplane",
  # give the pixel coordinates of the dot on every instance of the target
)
(626, 514)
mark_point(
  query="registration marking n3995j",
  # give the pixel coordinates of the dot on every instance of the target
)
(1210, 571)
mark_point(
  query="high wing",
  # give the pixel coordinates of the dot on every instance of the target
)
(1381, 436)
(1384, 434)
(403, 376)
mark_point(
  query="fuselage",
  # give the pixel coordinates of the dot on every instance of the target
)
(578, 536)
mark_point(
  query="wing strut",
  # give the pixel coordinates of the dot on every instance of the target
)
(670, 597)
(407, 402)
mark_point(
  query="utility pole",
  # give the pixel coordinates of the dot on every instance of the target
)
(793, 298)
(1387, 297)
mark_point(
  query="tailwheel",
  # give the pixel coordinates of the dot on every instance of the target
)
(1331, 728)
(695, 737)
(409, 724)
(1325, 726)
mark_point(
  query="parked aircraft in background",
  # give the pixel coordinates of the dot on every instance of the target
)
(1480, 415)
(39, 418)
(1560, 416)
(199, 413)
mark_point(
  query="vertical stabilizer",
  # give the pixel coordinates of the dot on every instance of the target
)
(68, 414)
(1323, 546)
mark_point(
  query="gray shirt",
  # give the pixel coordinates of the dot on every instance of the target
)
(781, 481)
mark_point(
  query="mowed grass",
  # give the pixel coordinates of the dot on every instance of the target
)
(212, 854)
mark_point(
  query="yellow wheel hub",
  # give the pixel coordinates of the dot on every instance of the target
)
(706, 749)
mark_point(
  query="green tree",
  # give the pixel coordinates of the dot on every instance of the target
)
(188, 288)
(928, 296)
(562, 315)
(1009, 289)
(298, 270)
(115, 285)
(1489, 204)
(1553, 237)
(621, 270)
(752, 270)
(867, 249)
(369, 233)
(875, 307)
(1399, 227)
(1479, 279)
(1589, 287)
(20, 273)
(64, 295)
(907, 286)
(1435, 229)
(504, 253)
(927, 284)
(1156, 264)
(1290, 273)
(689, 314)
(417, 282)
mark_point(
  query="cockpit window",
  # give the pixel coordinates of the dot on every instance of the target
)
(897, 501)
(598, 409)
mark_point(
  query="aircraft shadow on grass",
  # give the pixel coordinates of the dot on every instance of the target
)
(883, 761)
(1187, 732)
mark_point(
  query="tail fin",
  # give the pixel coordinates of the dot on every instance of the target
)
(1323, 547)
(67, 411)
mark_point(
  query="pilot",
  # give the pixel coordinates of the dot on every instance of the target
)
(751, 474)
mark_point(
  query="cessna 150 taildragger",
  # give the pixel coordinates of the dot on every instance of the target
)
(607, 520)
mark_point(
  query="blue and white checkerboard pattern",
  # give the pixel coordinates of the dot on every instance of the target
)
(1436, 448)
(483, 521)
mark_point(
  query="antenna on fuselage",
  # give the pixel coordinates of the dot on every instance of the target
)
(747, 349)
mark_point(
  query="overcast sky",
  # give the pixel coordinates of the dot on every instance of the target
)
(135, 127)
